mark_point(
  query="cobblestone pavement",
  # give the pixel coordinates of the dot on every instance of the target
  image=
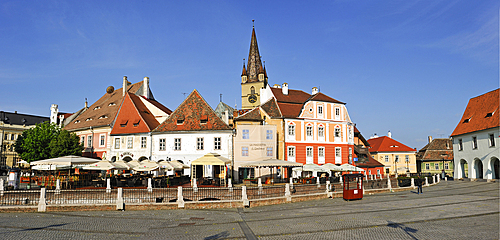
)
(449, 210)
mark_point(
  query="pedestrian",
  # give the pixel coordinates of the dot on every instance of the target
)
(419, 184)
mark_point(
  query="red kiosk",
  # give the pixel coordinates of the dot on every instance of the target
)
(353, 186)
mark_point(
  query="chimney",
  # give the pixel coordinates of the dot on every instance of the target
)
(86, 104)
(124, 85)
(429, 138)
(145, 87)
(389, 134)
(314, 90)
(285, 89)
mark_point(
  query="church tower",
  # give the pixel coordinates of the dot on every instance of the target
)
(253, 77)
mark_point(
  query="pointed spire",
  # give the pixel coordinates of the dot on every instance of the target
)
(254, 65)
(244, 72)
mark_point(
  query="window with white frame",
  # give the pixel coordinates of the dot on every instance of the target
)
(83, 140)
(217, 143)
(117, 143)
(291, 152)
(321, 155)
(396, 159)
(386, 158)
(474, 142)
(436, 166)
(269, 151)
(320, 111)
(130, 142)
(102, 140)
(177, 144)
(143, 142)
(199, 143)
(162, 144)
(446, 166)
(89, 141)
(337, 113)
(291, 130)
(338, 155)
(460, 145)
(246, 134)
(369, 172)
(321, 131)
(337, 132)
(309, 131)
(427, 166)
(244, 151)
(309, 151)
(378, 171)
(269, 134)
(407, 158)
(492, 140)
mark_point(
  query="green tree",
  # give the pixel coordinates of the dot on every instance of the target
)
(47, 140)
(65, 144)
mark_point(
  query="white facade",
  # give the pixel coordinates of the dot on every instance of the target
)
(190, 145)
(478, 153)
(130, 147)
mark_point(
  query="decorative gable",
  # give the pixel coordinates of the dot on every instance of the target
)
(194, 114)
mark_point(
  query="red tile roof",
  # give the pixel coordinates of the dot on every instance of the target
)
(252, 115)
(370, 163)
(134, 117)
(190, 115)
(323, 98)
(387, 144)
(294, 96)
(272, 109)
(481, 113)
(437, 149)
(103, 111)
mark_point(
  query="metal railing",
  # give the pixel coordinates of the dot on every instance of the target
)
(265, 192)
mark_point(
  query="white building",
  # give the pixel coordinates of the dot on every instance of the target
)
(476, 139)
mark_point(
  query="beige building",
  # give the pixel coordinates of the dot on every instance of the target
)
(12, 126)
(396, 157)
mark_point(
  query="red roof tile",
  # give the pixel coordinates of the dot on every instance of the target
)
(294, 96)
(437, 149)
(189, 116)
(387, 144)
(252, 115)
(323, 98)
(134, 117)
(481, 113)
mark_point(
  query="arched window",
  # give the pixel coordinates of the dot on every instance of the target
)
(252, 90)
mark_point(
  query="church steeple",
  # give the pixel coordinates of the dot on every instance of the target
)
(254, 66)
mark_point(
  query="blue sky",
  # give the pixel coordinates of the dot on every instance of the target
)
(405, 66)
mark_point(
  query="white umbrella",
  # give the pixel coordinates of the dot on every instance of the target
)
(103, 165)
(332, 167)
(350, 168)
(145, 166)
(311, 167)
(67, 160)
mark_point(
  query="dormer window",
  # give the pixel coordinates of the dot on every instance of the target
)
(466, 120)
(112, 104)
(88, 119)
(77, 121)
(103, 117)
(204, 119)
(123, 123)
(136, 122)
(96, 108)
(488, 115)
(180, 121)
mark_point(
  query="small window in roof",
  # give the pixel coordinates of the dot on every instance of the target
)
(77, 121)
(466, 120)
(103, 116)
(112, 104)
(97, 108)
(180, 121)
(489, 115)
(88, 119)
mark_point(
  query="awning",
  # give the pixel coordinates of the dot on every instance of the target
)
(310, 167)
(146, 165)
(211, 159)
(332, 167)
(67, 160)
(272, 163)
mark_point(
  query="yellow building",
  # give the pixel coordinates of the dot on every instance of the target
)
(12, 126)
(396, 157)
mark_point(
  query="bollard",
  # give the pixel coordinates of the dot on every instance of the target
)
(1, 186)
(42, 204)
(327, 186)
(58, 186)
(120, 205)
(288, 194)
(260, 185)
(317, 182)
(413, 183)
(195, 185)
(150, 186)
(230, 185)
(445, 179)
(108, 185)
(291, 182)
(244, 196)
(389, 183)
(180, 198)
(426, 182)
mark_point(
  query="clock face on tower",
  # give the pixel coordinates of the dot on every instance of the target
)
(252, 98)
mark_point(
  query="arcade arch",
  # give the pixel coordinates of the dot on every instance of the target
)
(495, 168)
(477, 169)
